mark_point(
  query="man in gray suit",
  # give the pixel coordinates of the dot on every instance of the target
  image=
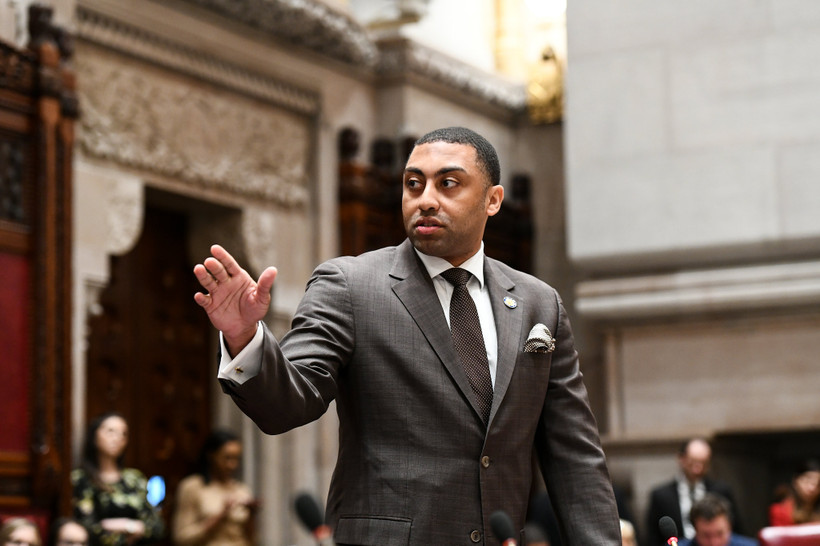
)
(429, 447)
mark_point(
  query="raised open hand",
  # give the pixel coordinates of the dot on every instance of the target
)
(234, 302)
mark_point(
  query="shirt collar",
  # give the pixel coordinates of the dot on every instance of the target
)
(474, 264)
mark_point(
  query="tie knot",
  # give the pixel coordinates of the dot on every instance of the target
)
(457, 276)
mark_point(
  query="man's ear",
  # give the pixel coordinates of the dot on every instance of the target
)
(495, 195)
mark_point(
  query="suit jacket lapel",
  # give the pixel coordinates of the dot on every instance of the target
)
(415, 289)
(508, 323)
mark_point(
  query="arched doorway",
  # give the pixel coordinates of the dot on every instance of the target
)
(150, 351)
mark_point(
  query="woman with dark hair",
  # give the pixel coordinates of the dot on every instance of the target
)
(213, 507)
(802, 502)
(109, 500)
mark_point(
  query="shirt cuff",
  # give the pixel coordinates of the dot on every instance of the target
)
(246, 364)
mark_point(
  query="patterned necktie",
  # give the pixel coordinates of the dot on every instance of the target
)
(468, 339)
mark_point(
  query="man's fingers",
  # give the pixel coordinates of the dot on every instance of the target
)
(215, 269)
(202, 299)
(228, 263)
(265, 283)
(204, 277)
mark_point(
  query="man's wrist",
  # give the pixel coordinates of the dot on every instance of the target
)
(234, 343)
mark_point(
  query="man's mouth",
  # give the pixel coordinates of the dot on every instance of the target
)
(428, 226)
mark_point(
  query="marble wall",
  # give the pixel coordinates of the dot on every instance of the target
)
(691, 139)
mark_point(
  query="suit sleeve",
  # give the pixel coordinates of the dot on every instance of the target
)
(297, 379)
(569, 450)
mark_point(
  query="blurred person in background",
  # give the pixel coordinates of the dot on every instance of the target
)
(711, 517)
(110, 500)
(676, 497)
(802, 501)
(68, 532)
(213, 507)
(628, 533)
(19, 532)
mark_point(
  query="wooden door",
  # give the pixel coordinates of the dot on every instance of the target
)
(149, 352)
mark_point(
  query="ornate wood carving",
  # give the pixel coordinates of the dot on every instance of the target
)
(36, 140)
(17, 69)
(12, 161)
(369, 197)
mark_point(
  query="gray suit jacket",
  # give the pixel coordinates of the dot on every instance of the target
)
(415, 465)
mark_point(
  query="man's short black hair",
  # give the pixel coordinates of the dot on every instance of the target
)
(485, 153)
(711, 506)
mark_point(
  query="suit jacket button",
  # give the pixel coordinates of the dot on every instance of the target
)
(475, 536)
(485, 461)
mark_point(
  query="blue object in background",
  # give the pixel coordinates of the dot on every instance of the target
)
(156, 490)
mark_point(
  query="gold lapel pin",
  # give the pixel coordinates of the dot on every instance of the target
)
(510, 302)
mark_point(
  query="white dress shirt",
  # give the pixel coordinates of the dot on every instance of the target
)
(247, 363)
(686, 494)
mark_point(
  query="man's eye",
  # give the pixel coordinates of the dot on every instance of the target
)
(412, 183)
(447, 183)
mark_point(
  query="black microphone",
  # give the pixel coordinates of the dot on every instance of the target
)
(310, 514)
(503, 528)
(669, 530)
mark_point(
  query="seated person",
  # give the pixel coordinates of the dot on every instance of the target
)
(68, 532)
(675, 497)
(19, 532)
(109, 499)
(713, 527)
(214, 508)
(628, 533)
(802, 501)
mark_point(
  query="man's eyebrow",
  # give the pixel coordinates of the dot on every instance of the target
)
(441, 171)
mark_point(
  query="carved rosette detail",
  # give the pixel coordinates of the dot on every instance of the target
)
(143, 117)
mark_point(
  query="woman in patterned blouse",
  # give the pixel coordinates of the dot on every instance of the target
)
(108, 499)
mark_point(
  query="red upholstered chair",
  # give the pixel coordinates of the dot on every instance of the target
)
(792, 535)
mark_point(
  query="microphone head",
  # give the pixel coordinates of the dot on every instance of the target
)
(668, 527)
(309, 512)
(502, 525)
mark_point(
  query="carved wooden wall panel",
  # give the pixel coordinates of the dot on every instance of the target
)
(37, 112)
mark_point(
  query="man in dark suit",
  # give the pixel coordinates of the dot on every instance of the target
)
(435, 432)
(676, 498)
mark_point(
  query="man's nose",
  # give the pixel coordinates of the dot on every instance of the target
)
(429, 198)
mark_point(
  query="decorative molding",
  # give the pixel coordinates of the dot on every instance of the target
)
(144, 117)
(124, 213)
(119, 36)
(307, 23)
(731, 289)
(402, 58)
(315, 26)
(257, 227)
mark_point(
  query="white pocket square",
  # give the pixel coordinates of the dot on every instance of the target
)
(540, 340)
